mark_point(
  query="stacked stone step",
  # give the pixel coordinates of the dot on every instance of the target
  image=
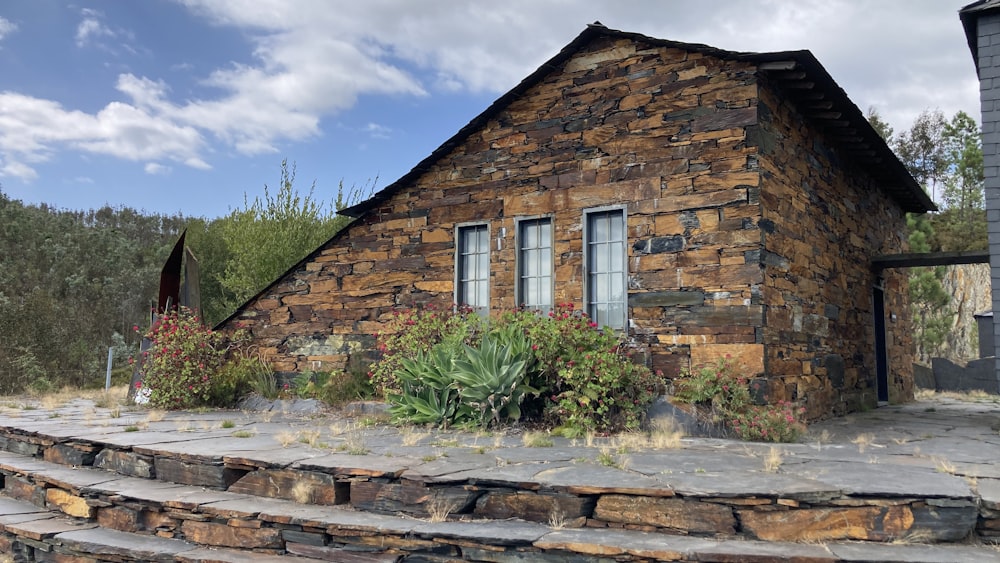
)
(333, 526)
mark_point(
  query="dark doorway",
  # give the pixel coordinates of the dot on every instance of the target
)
(881, 350)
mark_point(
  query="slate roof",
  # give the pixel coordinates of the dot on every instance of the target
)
(969, 15)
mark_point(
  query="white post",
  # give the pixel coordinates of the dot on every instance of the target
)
(107, 378)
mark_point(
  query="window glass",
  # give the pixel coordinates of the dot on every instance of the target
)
(606, 260)
(473, 268)
(534, 258)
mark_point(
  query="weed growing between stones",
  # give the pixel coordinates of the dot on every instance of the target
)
(773, 460)
(438, 509)
(244, 434)
(227, 424)
(725, 395)
(411, 437)
(537, 440)
(285, 438)
(302, 492)
(942, 465)
(864, 441)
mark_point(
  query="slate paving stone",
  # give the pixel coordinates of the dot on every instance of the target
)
(267, 455)
(536, 455)
(203, 555)
(355, 465)
(9, 506)
(728, 484)
(505, 532)
(586, 479)
(443, 470)
(751, 551)
(862, 479)
(684, 461)
(130, 547)
(617, 542)
(989, 491)
(897, 553)
(521, 476)
(46, 528)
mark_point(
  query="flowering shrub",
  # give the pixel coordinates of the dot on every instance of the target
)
(580, 376)
(719, 388)
(178, 369)
(416, 331)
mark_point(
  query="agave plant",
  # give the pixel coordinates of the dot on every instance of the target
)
(428, 394)
(491, 381)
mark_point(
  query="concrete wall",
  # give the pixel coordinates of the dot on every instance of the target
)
(988, 36)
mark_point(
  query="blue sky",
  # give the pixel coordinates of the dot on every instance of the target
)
(187, 105)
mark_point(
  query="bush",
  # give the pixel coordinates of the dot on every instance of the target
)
(186, 364)
(409, 333)
(183, 356)
(447, 368)
(726, 396)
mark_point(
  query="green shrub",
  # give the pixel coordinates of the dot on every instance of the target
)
(411, 332)
(726, 396)
(456, 368)
(344, 387)
(183, 358)
(234, 379)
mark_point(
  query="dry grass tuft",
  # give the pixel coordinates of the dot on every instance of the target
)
(537, 440)
(557, 518)
(156, 415)
(864, 441)
(438, 509)
(302, 492)
(411, 436)
(665, 433)
(309, 437)
(773, 460)
(942, 465)
(285, 438)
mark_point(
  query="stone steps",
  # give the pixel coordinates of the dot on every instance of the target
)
(286, 531)
(214, 491)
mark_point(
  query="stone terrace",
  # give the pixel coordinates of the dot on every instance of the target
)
(919, 482)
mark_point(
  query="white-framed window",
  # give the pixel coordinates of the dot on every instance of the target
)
(605, 266)
(535, 263)
(472, 267)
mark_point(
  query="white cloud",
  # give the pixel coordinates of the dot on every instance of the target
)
(18, 170)
(6, 27)
(377, 131)
(91, 27)
(311, 60)
(155, 168)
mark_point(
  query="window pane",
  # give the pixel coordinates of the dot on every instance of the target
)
(606, 268)
(473, 267)
(535, 263)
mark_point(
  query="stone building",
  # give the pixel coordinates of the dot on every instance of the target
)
(706, 202)
(981, 21)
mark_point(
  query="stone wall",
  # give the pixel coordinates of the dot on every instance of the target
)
(660, 130)
(823, 222)
(988, 44)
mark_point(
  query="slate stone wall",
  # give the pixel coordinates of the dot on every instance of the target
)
(823, 221)
(988, 31)
(676, 137)
(660, 130)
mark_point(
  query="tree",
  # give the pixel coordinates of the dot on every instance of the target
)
(922, 149)
(962, 223)
(880, 125)
(269, 235)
